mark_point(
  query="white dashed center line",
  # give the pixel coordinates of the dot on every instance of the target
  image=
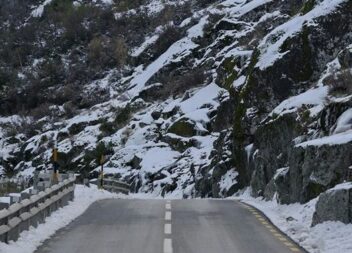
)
(167, 215)
(167, 245)
(167, 229)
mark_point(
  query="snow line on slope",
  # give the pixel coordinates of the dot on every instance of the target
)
(271, 44)
(174, 53)
(335, 139)
(34, 237)
(295, 220)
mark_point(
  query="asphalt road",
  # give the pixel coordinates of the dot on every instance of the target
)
(177, 226)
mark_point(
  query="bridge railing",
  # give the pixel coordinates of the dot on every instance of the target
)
(33, 211)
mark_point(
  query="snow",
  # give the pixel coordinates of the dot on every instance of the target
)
(344, 122)
(228, 180)
(5, 200)
(157, 158)
(31, 239)
(335, 139)
(108, 2)
(247, 7)
(239, 81)
(343, 186)
(281, 172)
(248, 150)
(38, 12)
(176, 52)
(271, 44)
(148, 41)
(313, 97)
(295, 221)
(206, 95)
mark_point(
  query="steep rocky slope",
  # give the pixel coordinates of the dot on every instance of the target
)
(186, 98)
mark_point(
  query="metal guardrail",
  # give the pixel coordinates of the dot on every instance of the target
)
(33, 211)
(113, 185)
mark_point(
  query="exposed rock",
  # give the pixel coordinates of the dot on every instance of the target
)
(334, 205)
(156, 115)
(269, 158)
(315, 169)
(178, 143)
(135, 162)
(183, 128)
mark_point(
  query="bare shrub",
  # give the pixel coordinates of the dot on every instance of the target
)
(170, 35)
(178, 84)
(120, 50)
(98, 52)
(70, 109)
(41, 111)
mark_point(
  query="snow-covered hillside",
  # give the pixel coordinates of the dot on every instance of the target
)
(185, 98)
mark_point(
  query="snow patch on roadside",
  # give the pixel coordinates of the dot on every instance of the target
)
(295, 220)
(31, 239)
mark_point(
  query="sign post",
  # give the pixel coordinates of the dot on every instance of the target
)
(55, 178)
(102, 160)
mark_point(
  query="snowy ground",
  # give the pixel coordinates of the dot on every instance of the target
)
(30, 240)
(295, 220)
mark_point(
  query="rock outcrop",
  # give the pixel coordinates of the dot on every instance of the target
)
(334, 205)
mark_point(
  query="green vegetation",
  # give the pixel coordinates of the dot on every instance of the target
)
(77, 128)
(182, 128)
(305, 115)
(91, 159)
(239, 135)
(121, 119)
(229, 66)
(314, 189)
(308, 6)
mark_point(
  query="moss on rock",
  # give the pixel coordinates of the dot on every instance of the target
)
(183, 128)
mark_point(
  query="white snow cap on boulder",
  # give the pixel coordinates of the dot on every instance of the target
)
(344, 122)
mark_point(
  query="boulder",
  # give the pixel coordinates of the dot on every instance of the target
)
(178, 143)
(183, 128)
(156, 115)
(314, 169)
(135, 162)
(334, 205)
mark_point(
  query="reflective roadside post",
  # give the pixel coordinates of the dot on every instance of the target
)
(55, 178)
(102, 159)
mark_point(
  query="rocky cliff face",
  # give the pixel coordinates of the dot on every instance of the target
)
(186, 98)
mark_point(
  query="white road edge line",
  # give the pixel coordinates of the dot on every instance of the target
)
(168, 206)
(167, 229)
(168, 215)
(167, 245)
